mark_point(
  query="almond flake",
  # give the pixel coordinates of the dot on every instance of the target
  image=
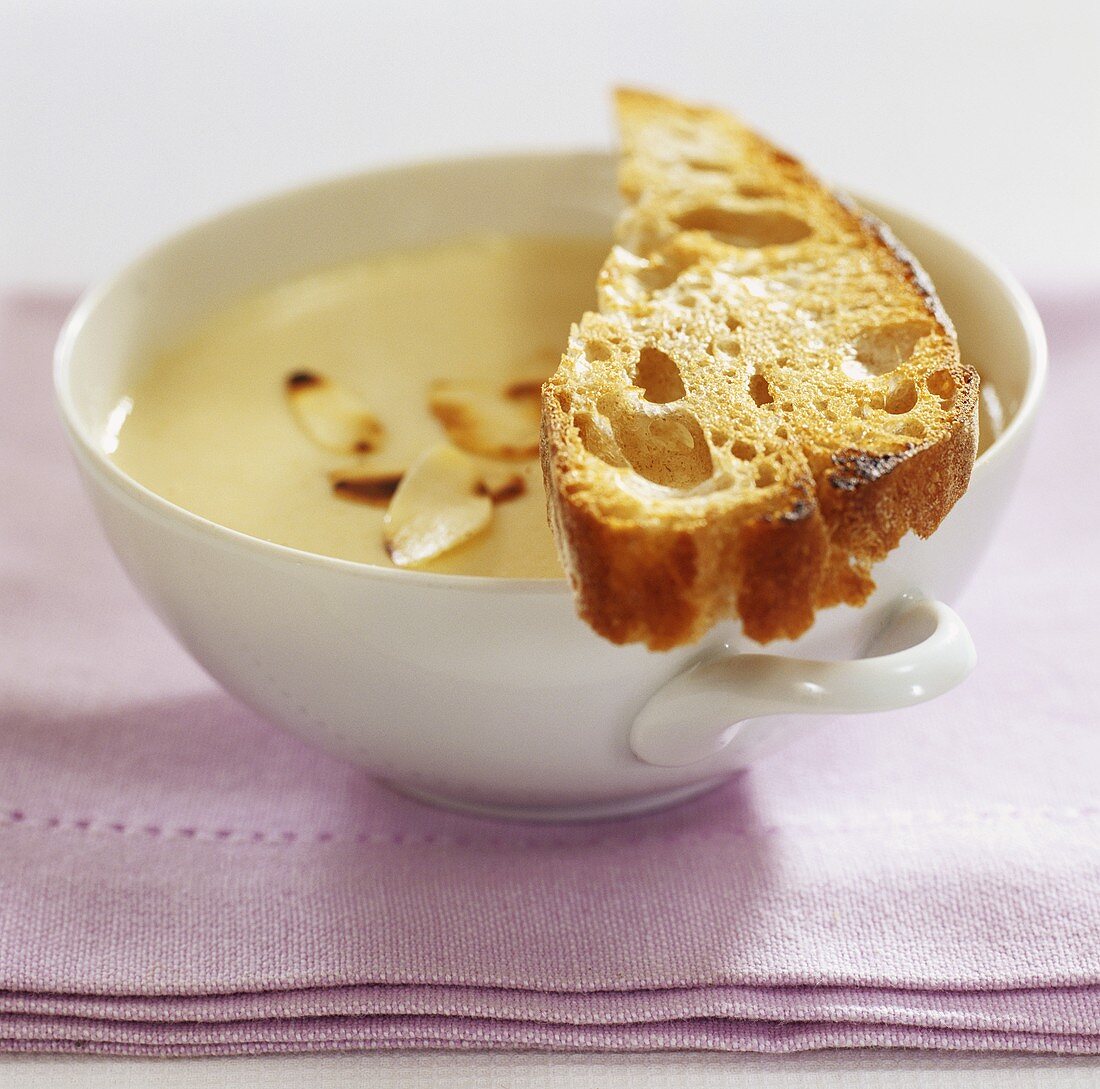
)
(501, 484)
(331, 416)
(436, 507)
(374, 489)
(493, 421)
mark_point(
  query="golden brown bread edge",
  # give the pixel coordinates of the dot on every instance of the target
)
(664, 584)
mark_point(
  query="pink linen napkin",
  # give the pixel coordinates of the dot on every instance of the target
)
(177, 877)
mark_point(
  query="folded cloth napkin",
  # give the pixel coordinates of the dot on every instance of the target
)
(177, 877)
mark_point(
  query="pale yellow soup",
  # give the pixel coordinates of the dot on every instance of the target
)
(208, 425)
(210, 429)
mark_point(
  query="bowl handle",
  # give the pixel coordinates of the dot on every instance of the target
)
(924, 651)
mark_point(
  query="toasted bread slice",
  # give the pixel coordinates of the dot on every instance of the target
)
(770, 397)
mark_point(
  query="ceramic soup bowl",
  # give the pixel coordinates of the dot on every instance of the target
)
(490, 694)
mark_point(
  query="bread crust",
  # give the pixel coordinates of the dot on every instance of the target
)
(746, 496)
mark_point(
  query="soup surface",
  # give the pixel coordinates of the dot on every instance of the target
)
(214, 427)
(209, 426)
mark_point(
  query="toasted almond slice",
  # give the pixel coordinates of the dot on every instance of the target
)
(331, 416)
(489, 420)
(501, 483)
(436, 507)
(375, 489)
(524, 389)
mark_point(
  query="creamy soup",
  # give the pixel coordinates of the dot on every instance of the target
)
(211, 430)
(292, 414)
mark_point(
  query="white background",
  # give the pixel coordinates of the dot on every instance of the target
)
(121, 120)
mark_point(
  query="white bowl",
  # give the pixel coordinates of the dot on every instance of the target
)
(490, 694)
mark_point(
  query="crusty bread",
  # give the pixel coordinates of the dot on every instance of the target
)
(769, 398)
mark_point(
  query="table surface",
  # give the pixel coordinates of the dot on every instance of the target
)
(428, 1070)
(125, 120)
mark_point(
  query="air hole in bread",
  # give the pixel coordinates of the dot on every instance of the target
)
(597, 351)
(718, 439)
(883, 348)
(913, 428)
(658, 377)
(899, 398)
(708, 166)
(743, 451)
(759, 390)
(733, 323)
(664, 269)
(657, 276)
(598, 440)
(942, 385)
(690, 298)
(756, 192)
(746, 229)
(668, 449)
(730, 346)
(765, 474)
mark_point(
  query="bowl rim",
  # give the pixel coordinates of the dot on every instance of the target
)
(94, 457)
